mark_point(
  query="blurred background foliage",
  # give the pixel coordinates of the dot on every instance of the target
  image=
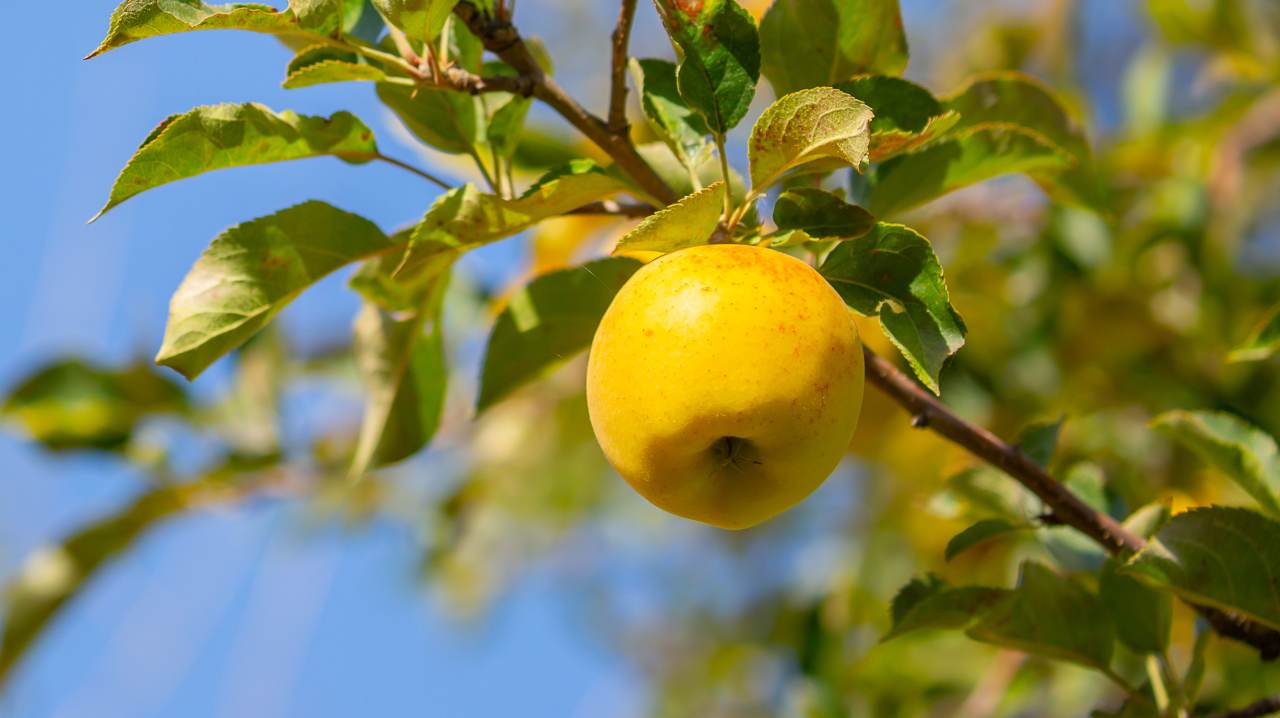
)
(1104, 319)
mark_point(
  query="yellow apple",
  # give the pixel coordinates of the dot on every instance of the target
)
(724, 382)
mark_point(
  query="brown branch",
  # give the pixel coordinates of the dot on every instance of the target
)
(1066, 507)
(618, 70)
(615, 208)
(1264, 707)
(501, 38)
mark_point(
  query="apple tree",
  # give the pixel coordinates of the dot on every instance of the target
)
(1066, 482)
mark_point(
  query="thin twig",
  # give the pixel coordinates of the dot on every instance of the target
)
(615, 208)
(420, 172)
(1264, 707)
(501, 38)
(928, 412)
(618, 70)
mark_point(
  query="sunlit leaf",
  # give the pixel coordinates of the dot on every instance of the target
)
(686, 223)
(1142, 615)
(253, 270)
(322, 17)
(449, 121)
(1245, 453)
(667, 112)
(1262, 343)
(721, 64)
(1223, 557)
(907, 116)
(548, 321)
(820, 214)
(72, 404)
(322, 64)
(418, 19)
(809, 43)
(1052, 616)
(805, 126)
(910, 180)
(984, 530)
(136, 20)
(223, 136)
(892, 272)
(401, 360)
(465, 217)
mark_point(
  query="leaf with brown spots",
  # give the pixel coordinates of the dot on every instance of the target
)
(218, 137)
(721, 64)
(251, 271)
(806, 126)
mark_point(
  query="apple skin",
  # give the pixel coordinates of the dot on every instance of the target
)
(724, 383)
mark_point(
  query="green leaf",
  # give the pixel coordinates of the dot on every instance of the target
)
(679, 126)
(911, 180)
(54, 574)
(322, 64)
(820, 214)
(448, 120)
(984, 530)
(1262, 343)
(322, 17)
(1039, 440)
(1052, 616)
(687, 223)
(810, 43)
(548, 321)
(805, 126)
(907, 116)
(218, 137)
(465, 217)
(135, 20)
(1016, 100)
(405, 377)
(1223, 557)
(1142, 615)
(721, 64)
(1245, 453)
(73, 404)
(929, 603)
(506, 123)
(253, 270)
(893, 273)
(1071, 549)
(418, 19)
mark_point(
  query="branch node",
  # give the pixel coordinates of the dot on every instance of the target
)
(920, 421)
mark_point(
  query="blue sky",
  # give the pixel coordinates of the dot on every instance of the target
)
(240, 612)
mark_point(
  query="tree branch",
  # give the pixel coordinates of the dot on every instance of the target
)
(615, 208)
(501, 38)
(1264, 707)
(618, 70)
(928, 412)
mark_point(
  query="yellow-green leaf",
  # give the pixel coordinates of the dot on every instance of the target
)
(218, 137)
(687, 223)
(805, 126)
(253, 270)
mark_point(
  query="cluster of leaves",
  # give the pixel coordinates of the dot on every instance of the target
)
(847, 152)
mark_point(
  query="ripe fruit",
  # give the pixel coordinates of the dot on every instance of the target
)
(724, 383)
